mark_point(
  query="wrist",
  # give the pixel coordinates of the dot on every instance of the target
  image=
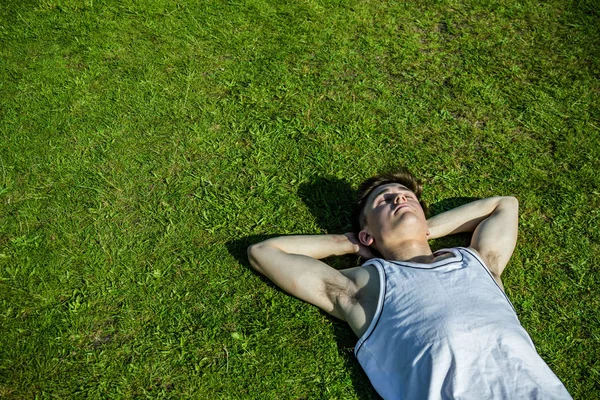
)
(432, 232)
(351, 243)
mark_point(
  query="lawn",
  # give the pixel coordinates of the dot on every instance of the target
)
(145, 144)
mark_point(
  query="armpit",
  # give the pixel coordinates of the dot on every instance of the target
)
(339, 293)
(492, 260)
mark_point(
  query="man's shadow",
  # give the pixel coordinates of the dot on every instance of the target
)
(330, 200)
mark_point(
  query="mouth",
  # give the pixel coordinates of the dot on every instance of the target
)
(399, 207)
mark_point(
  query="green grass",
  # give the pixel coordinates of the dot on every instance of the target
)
(145, 144)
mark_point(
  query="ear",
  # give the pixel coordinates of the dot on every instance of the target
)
(365, 238)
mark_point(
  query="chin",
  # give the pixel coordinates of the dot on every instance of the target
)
(410, 221)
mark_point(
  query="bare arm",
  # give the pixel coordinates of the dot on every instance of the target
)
(494, 223)
(292, 263)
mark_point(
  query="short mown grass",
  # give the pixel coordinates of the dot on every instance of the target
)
(145, 144)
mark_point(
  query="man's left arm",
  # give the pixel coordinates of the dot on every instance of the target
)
(494, 223)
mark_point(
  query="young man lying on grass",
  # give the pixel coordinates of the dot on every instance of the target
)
(430, 325)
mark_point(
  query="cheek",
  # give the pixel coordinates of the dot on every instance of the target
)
(376, 220)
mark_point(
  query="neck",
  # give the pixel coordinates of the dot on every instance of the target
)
(409, 250)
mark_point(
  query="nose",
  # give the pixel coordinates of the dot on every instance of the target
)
(400, 198)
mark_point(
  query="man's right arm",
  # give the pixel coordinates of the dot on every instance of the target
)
(292, 263)
(494, 223)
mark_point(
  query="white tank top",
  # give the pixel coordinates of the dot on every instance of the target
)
(447, 331)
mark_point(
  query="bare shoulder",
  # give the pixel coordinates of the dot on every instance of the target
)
(361, 277)
(359, 303)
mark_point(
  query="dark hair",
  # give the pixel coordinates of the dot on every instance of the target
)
(401, 175)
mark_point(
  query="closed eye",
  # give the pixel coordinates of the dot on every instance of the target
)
(380, 199)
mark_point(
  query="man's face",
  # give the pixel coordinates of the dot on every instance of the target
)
(393, 212)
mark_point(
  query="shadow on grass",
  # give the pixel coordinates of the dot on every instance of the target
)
(330, 201)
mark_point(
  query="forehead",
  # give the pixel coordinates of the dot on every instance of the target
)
(383, 188)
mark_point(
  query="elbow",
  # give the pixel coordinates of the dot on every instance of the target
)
(512, 199)
(253, 252)
(511, 202)
(514, 202)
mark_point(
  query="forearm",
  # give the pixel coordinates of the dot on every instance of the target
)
(315, 246)
(464, 218)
